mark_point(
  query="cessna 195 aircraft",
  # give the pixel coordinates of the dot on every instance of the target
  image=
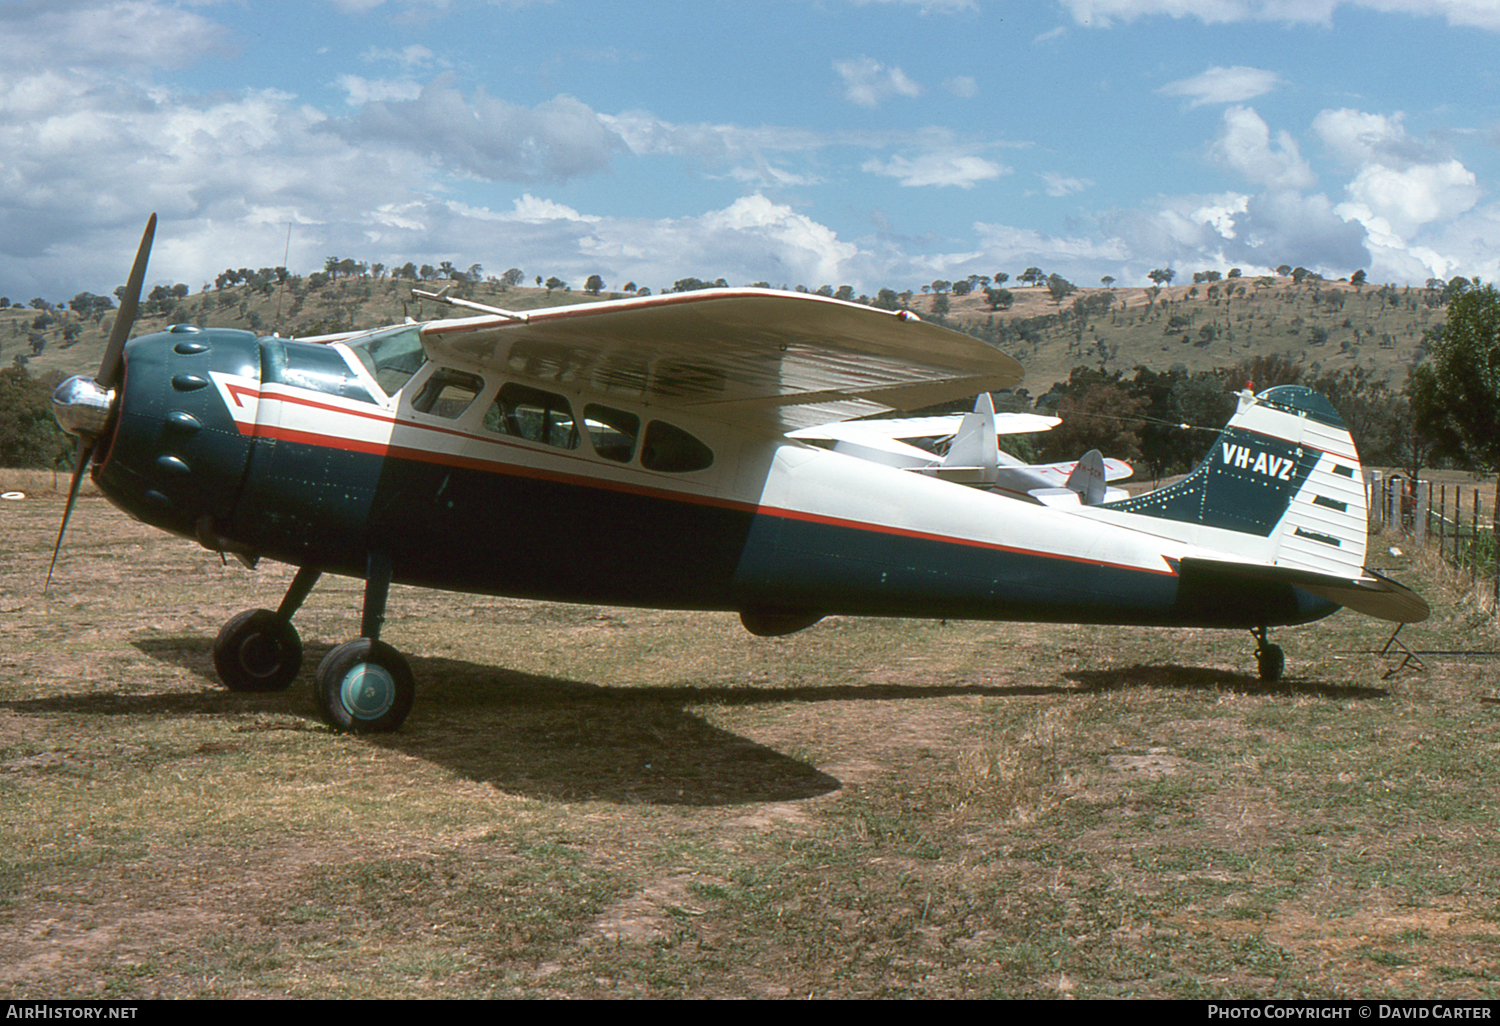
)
(689, 451)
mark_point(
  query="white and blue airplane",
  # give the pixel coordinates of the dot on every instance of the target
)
(689, 451)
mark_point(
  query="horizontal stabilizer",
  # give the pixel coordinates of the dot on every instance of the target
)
(1372, 594)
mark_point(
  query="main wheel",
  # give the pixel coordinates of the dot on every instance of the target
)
(364, 687)
(1270, 660)
(257, 651)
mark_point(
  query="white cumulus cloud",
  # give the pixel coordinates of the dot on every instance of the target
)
(1403, 201)
(1484, 14)
(1224, 85)
(869, 83)
(964, 170)
(1246, 147)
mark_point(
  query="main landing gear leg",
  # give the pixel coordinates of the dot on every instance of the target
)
(260, 651)
(364, 686)
(1269, 658)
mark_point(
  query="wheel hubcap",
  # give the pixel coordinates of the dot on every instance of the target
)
(367, 691)
(260, 655)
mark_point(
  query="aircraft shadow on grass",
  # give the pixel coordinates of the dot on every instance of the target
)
(555, 739)
(545, 737)
(1198, 678)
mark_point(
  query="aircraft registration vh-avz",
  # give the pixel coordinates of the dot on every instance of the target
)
(694, 451)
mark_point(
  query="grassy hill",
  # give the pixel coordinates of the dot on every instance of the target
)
(1326, 325)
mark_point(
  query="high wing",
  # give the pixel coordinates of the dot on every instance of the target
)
(780, 360)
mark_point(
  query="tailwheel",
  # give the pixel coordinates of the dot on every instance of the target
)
(257, 651)
(364, 686)
(1270, 660)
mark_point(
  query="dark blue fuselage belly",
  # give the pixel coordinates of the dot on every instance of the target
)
(529, 535)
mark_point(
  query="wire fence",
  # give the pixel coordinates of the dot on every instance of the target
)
(1455, 519)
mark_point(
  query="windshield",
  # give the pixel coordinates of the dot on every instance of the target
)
(391, 355)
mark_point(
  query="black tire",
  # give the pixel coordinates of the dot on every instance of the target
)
(364, 687)
(257, 651)
(1270, 660)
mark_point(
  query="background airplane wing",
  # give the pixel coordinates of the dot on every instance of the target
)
(925, 427)
(783, 359)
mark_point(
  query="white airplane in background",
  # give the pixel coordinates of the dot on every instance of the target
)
(651, 452)
(973, 455)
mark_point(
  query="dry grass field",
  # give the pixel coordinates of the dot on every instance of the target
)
(600, 802)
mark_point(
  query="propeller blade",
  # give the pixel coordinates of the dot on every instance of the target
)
(80, 464)
(109, 368)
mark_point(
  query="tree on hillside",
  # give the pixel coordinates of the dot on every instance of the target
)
(1060, 288)
(1177, 403)
(1455, 392)
(594, 285)
(29, 437)
(1266, 371)
(999, 299)
(1103, 416)
(1377, 417)
(513, 277)
(1162, 276)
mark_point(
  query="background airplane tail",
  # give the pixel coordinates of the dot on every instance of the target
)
(1281, 487)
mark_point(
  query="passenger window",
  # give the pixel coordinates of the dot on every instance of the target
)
(524, 412)
(448, 393)
(612, 431)
(672, 450)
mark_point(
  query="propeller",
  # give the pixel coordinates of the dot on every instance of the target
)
(84, 408)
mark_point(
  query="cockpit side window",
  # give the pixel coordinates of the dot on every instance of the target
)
(391, 356)
(530, 413)
(448, 393)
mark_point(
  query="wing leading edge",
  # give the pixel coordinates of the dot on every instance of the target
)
(781, 360)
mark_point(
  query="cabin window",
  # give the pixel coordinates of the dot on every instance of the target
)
(612, 431)
(391, 356)
(672, 450)
(530, 413)
(448, 393)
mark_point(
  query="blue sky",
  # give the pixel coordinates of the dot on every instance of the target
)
(863, 142)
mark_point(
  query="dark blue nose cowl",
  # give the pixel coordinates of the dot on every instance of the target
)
(176, 459)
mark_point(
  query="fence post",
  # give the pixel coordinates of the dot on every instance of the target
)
(1442, 518)
(1474, 540)
(1458, 526)
(1420, 525)
(1374, 493)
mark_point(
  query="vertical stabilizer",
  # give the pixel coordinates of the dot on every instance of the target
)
(1282, 486)
(1087, 478)
(975, 446)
